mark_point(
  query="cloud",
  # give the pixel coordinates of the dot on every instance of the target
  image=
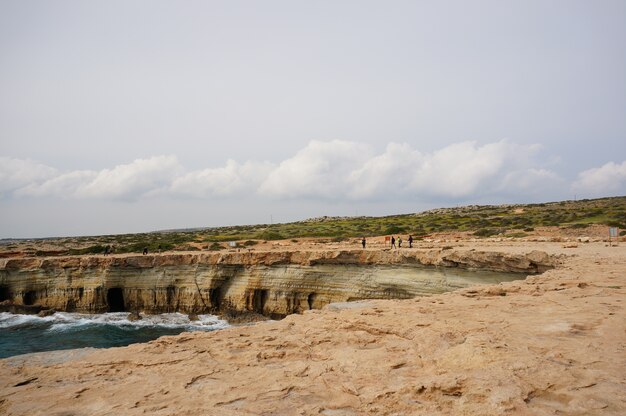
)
(340, 171)
(387, 173)
(320, 170)
(123, 182)
(531, 183)
(66, 185)
(607, 179)
(347, 170)
(462, 169)
(232, 179)
(17, 173)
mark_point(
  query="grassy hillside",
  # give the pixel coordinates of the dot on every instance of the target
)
(511, 220)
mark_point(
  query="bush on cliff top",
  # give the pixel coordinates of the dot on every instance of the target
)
(270, 235)
(486, 232)
(215, 247)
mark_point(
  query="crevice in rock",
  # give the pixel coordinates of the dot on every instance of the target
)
(29, 297)
(115, 300)
(259, 298)
(311, 299)
(5, 293)
(214, 297)
(170, 294)
(195, 280)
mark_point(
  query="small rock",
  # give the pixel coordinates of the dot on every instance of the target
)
(193, 317)
(134, 316)
(46, 312)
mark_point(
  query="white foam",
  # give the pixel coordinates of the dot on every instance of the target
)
(62, 321)
(9, 320)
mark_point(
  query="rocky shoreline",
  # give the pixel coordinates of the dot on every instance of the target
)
(271, 283)
(550, 344)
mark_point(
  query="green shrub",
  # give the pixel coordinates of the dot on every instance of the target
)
(187, 248)
(486, 232)
(616, 224)
(97, 249)
(516, 235)
(270, 235)
(394, 229)
(215, 247)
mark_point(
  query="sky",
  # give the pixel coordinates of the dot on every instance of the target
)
(132, 116)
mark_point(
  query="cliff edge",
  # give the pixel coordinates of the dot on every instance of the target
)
(273, 283)
(550, 344)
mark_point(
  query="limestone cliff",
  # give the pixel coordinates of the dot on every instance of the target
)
(272, 283)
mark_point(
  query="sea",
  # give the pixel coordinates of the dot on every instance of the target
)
(22, 334)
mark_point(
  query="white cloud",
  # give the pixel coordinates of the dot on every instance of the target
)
(531, 182)
(132, 180)
(336, 170)
(346, 170)
(608, 178)
(463, 169)
(65, 185)
(123, 182)
(16, 173)
(320, 170)
(390, 172)
(232, 179)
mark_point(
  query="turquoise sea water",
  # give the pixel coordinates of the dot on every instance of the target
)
(22, 334)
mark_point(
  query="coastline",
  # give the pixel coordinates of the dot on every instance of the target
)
(274, 282)
(552, 343)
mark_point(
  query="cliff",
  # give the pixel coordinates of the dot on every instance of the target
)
(274, 283)
(551, 344)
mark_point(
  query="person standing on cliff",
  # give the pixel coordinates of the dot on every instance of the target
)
(410, 241)
(393, 242)
(363, 242)
(145, 251)
(399, 241)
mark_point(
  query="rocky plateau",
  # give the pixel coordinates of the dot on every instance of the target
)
(550, 344)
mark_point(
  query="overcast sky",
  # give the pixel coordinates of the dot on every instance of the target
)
(128, 116)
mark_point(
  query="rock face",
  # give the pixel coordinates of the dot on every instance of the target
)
(552, 344)
(270, 283)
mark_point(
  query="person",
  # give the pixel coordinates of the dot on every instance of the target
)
(363, 242)
(106, 250)
(399, 241)
(393, 242)
(160, 248)
(145, 251)
(410, 241)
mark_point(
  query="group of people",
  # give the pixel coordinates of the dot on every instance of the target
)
(393, 242)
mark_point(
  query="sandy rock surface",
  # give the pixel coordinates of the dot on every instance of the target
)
(551, 344)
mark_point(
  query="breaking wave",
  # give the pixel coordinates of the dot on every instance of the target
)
(21, 334)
